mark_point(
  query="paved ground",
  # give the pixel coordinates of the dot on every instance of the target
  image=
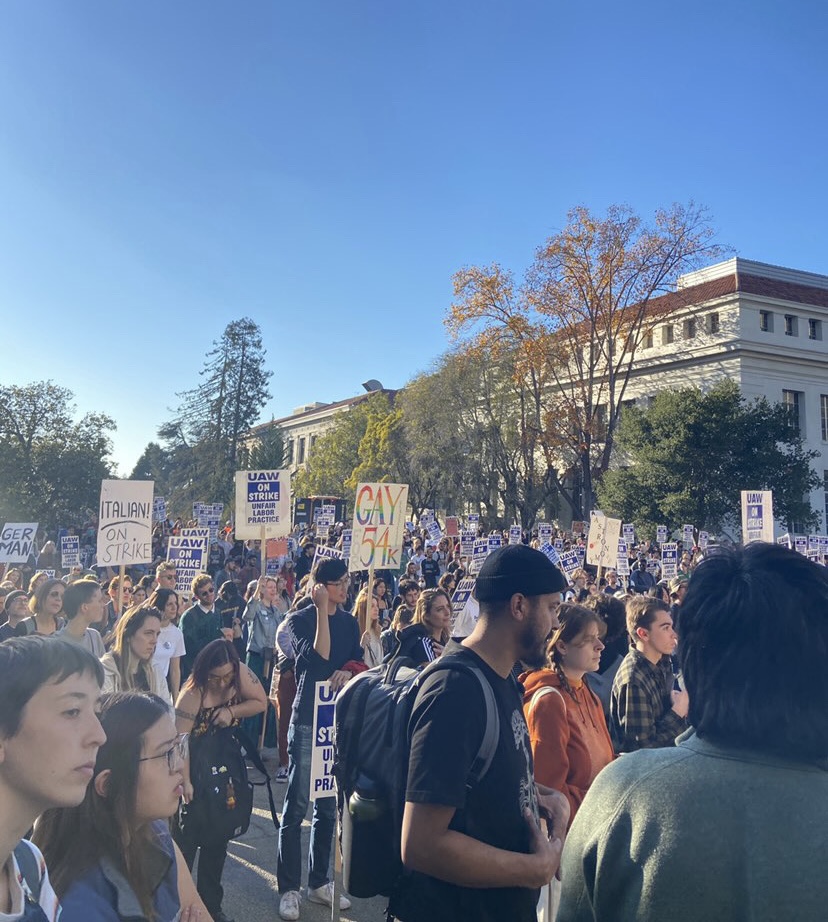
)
(250, 873)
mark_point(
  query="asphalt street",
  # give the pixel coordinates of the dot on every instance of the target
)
(250, 893)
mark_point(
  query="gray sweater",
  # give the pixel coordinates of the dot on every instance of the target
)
(699, 833)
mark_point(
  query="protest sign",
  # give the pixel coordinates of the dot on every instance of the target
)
(628, 532)
(494, 541)
(688, 536)
(433, 531)
(704, 540)
(473, 520)
(661, 534)
(452, 526)
(325, 553)
(544, 532)
(464, 609)
(324, 523)
(515, 534)
(801, 544)
(580, 550)
(276, 549)
(159, 509)
(622, 566)
(50, 573)
(558, 544)
(125, 522)
(262, 504)
(757, 516)
(602, 546)
(669, 560)
(322, 748)
(347, 537)
(479, 553)
(70, 551)
(550, 551)
(17, 542)
(785, 540)
(426, 518)
(467, 539)
(189, 554)
(378, 526)
(569, 563)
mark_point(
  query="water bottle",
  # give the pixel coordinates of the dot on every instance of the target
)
(368, 848)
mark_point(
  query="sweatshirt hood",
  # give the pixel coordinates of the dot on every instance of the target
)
(536, 679)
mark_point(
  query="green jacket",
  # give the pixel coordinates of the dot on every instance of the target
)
(699, 833)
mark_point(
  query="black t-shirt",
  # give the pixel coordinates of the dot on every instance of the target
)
(430, 569)
(310, 666)
(447, 726)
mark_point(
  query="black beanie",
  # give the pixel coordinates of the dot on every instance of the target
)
(517, 568)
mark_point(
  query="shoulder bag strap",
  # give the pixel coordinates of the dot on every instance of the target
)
(29, 868)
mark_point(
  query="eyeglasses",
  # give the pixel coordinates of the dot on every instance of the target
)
(342, 583)
(176, 755)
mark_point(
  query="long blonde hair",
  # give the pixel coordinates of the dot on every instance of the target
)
(362, 612)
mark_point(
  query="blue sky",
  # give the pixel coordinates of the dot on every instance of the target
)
(325, 167)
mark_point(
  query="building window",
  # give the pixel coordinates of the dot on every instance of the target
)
(666, 334)
(713, 323)
(301, 458)
(690, 328)
(823, 412)
(290, 452)
(794, 401)
(790, 325)
(648, 339)
(766, 321)
(814, 329)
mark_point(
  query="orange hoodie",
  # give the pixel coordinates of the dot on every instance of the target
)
(570, 740)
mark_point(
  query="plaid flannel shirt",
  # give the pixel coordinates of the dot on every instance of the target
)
(641, 707)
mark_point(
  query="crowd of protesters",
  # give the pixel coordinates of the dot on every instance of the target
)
(625, 710)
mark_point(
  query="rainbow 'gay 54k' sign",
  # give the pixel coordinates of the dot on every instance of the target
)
(379, 523)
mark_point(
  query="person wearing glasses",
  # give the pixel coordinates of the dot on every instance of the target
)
(220, 692)
(46, 606)
(201, 623)
(325, 640)
(113, 857)
(113, 612)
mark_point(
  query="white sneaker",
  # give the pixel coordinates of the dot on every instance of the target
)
(282, 774)
(289, 905)
(324, 895)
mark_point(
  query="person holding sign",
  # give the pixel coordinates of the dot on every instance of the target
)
(326, 645)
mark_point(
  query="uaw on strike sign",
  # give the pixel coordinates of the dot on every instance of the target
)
(262, 502)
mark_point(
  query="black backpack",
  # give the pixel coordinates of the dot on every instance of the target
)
(371, 748)
(222, 802)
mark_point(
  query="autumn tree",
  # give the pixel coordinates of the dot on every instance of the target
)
(51, 465)
(574, 325)
(208, 428)
(688, 457)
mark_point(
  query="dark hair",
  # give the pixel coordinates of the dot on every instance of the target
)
(159, 599)
(75, 839)
(445, 579)
(403, 616)
(229, 592)
(754, 638)
(406, 585)
(29, 663)
(217, 653)
(328, 570)
(77, 594)
(612, 612)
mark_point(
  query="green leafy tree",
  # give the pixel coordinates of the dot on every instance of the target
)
(208, 430)
(51, 466)
(687, 458)
(266, 452)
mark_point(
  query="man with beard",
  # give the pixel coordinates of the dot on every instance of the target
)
(479, 852)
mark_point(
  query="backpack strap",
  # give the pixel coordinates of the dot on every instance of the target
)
(29, 867)
(491, 734)
(252, 753)
(543, 690)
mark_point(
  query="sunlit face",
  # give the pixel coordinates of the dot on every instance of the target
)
(144, 640)
(171, 608)
(113, 591)
(439, 614)
(51, 759)
(221, 677)
(53, 602)
(159, 786)
(167, 579)
(269, 591)
(338, 590)
(660, 637)
(96, 606)
(582, 653)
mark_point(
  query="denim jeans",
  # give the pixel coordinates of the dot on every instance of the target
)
(297, 797)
